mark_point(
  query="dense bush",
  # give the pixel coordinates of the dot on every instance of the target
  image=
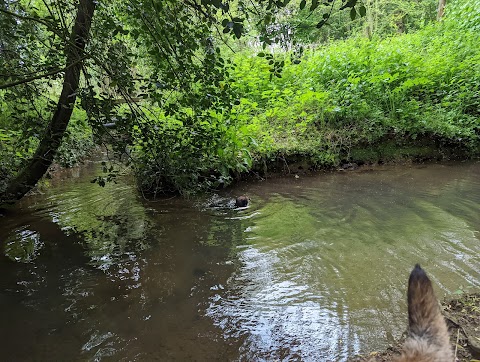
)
(355, 93)
(183, 154)
(77, 142)
(464, 14)
(361, 91)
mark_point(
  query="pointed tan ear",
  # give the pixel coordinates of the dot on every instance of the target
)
(428, 339)
(423, 310)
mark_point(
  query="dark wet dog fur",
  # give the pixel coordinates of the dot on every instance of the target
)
(241, 201)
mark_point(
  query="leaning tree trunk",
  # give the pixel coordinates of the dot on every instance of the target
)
(51, 140)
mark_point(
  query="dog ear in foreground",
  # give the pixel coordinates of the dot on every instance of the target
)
(428, 339)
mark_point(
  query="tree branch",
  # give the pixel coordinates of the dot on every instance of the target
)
(40, 76)
(37, 20)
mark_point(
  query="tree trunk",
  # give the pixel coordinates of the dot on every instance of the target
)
(31, 173)
(399, 23)
(441, 9)
(370, 27)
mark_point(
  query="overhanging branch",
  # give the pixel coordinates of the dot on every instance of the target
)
(40, 76)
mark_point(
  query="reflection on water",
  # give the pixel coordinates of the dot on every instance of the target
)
(314, 269)
(24, 245)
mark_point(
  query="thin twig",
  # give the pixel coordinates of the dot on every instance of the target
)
(37, 20)
(40, 76)
(456, 345)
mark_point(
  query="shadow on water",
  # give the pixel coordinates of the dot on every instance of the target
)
(90, 272)
(314, 269)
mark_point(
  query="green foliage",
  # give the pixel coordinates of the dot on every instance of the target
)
(359, 92)
(20, 129)
(346, 96)
(77, 142)
(193, 115)
(190, 151)
(333, 20)
(464, 14)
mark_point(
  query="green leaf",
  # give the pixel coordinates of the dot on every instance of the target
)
(303, 3)
(268, 19)
(238, 29)
(353, 13)
(362, 10)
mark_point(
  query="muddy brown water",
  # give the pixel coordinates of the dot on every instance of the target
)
(315, 269)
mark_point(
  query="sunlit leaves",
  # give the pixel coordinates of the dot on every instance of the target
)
(464, 14)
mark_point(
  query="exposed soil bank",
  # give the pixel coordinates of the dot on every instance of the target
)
(385, 152)
(367, 156)
(463, 319)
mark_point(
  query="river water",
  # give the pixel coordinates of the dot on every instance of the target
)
(315, 269)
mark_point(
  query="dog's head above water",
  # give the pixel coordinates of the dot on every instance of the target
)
(428, 339)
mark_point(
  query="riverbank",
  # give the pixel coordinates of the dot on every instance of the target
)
(463, 319)
(389, 152)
